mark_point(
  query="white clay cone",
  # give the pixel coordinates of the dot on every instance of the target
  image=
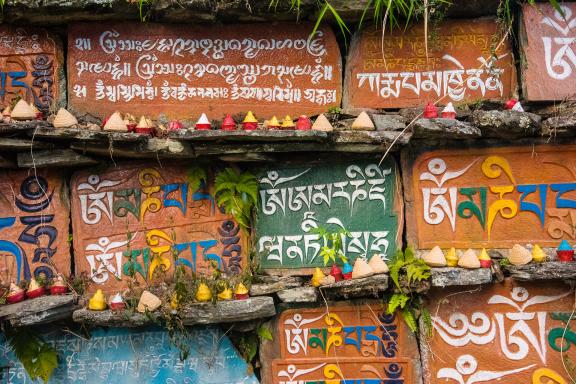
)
(322, 124)
(377, 264)
(64, 119)
(363, 123)
(519, 255)
(469, 260)
(116, 123)
(435, 258)
(361, 269)
(22, 111)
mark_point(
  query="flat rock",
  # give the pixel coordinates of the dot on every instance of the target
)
(370, 137)
(54, 158)
(563, 126)
(40, 310)
(299, 295)
(252, 136)
(444, 128)
(506, 124)
(273, 284)
(444, 277)
(389, 122)
(110, 318)
(552, 270)
(368, 286)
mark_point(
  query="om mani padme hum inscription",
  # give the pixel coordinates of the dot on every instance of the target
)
(460, 66)
(185, 70)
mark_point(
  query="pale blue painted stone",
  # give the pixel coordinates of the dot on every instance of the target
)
(129, 356)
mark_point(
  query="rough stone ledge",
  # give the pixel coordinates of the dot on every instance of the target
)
(506, 124)
(251, 136)
(40, 310)
(552, 270)
(444, 277)
(441, 128)
(193, 314)
(299, 295)
(559, 126)
(273, 284)
(368, 286)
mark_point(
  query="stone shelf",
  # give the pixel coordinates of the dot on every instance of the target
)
(272, 284)
(198, 313)
(22, 126)
(41, 310)
(345, 289)
(444, 277)
(552, 270)
(251, 136)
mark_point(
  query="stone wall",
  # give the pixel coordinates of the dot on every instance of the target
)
(124, 209)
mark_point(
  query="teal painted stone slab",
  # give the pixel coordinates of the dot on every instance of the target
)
(123, 356)
(360, 196)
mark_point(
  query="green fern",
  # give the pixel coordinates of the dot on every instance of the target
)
(398, 300)
(409, 319)
(237, 193)
(195, 177)
(38, 357)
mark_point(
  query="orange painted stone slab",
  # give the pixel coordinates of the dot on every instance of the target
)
(142, 220)
(548, 46)
(458, 68)
(185, 70)
(31, 66)
(492, 197)
(341, 342)
(504, 333)
(34, 225)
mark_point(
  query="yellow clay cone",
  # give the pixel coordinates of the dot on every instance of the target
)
(451, 258)
(538, 254)
(317, 277)
(203, 294)
(97, 302)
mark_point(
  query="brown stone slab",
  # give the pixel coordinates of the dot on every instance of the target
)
(34, 225)
(547, 43)
(503, 333)
(491, 197)
(358, 335)
(32, 67)
(151, 213)
(185, 70)
(454, 70)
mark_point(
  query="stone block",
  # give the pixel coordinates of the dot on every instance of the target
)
(155, 60)
(445, 277)
(299, 295)
(506, 124)
(405, 77)
(561, 126)
(273, 284)
(552, 270)
(32, 61)
(444, 129)
(547, 46)
(364, 287)
(38, 311)
(389, 122)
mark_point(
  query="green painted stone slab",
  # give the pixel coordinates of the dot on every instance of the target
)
(360, 196)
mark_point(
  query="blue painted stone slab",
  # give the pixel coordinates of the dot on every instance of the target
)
(129, 356)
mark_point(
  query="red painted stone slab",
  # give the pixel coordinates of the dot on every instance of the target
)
(143, 219)
(504, 333)
(185, 70)
(34, 225)
(549, 52)
(334, 370)
(360, 340)
(491, 197)
(458, 68)
(31, 66)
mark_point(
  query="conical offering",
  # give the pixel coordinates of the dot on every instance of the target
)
(58, 286)
(363, 123)
(23, 111)
(64, 119)
(117, 302)
(273, 123)
(469, 260)
(287, 123)
(15, 294)
(241, 292)
(435, 258)
(250, 123)
(226, 294)
(327, 280)
(304, 123)
(451, 257)
(377, 264)
(322, 124)
(485, 260)
(203, 294)
(115, 123)
(565, 251)
(35, 289)
(449, 112)
(347, 271)
(361, 269)
(203, 123)
(148, 301)
(519, 255)
(228, 124)
(336, 272)
(538, 254)
(97, 302)
(144, 126)
(317, 277)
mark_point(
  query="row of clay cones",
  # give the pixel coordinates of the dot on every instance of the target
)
(361, 269)
(431, 112)
(17, 294)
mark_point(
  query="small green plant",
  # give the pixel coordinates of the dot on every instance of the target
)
(38, 357)
(237, 193)
(332, 244)
(405, 270)
(142, 5)
(196, 176)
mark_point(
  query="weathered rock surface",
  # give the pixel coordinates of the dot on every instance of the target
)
(444, 277)
(273, 284)
(552, 270)
(506, 124)
(368, 286)
(559, 126)
(41, 310)
(299, 295)
(444, 128)
(389, 122)
(54, 158)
